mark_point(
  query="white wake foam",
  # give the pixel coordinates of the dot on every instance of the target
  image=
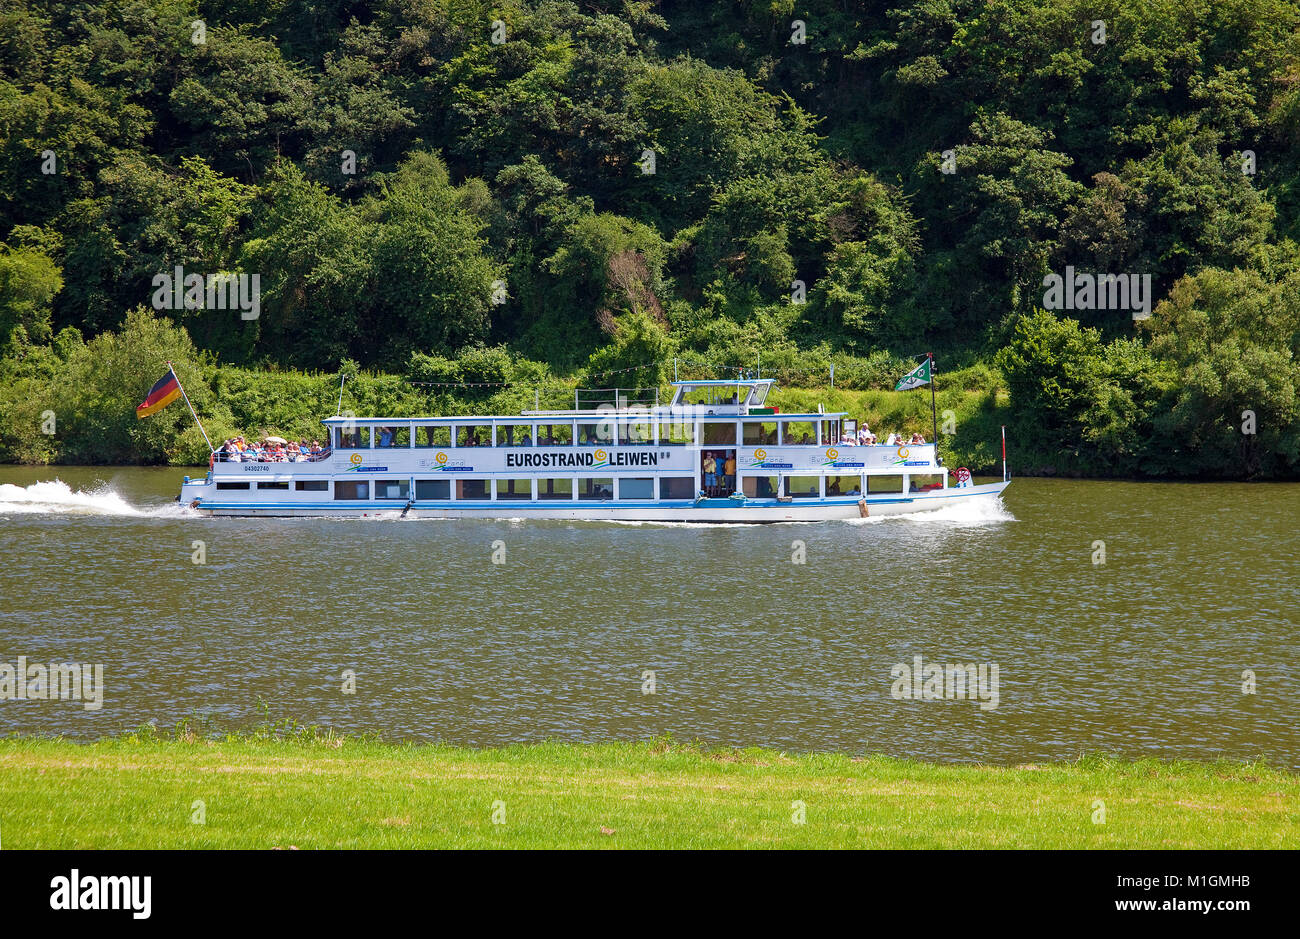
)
(56, 497)
(968, 512)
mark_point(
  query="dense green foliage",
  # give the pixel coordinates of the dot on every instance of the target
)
(544, 193)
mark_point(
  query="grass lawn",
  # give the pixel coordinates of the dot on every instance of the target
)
(263, 792)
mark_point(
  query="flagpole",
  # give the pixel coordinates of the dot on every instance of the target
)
(211, 448)
(934, 414)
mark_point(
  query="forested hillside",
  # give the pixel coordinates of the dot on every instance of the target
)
(526, 196)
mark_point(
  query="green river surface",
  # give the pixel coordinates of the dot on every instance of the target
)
(1143, 655)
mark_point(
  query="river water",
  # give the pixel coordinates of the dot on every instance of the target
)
(1151, 653)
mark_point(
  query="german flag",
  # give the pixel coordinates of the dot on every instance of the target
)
(160, 395)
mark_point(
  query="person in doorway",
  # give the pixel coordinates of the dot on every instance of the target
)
(729, 471)
(710, 470)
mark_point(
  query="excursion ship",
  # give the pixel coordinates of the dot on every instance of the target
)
(714, 453)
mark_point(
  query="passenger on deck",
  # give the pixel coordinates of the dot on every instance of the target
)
(918, 438)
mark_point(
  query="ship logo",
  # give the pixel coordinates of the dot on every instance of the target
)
(357, 459)
(441, 458)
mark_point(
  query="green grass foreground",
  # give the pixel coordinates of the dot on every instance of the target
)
(263, 792)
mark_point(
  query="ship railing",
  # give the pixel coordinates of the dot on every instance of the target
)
(224, 456)
(591, 399)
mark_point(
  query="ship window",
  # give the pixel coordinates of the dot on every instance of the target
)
(844, 485)
(637, 432)
(354, 438)
(392, 489)
(758, 395)
(392, 436)
(759, 433)
(471, 489)
(473, 435)
(514, 489)
(554, 435)
(433, 436)
(760, 487)
(884, 483)
(514, 435)
(636, 488)
(596, 435)
(561, 489)
(273, 485)
(720, 434)
(676, 487)
(676, 434)
(232, 485)
(351, 490)
(595, 489)
(799, 433)
(803, 487)
(433, 489)
(925, 482)
(312, 485)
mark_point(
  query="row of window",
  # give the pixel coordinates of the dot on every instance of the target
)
(593, 488)
(671, 433)
(567, 490)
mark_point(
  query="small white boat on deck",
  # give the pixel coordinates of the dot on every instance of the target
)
(714, 453)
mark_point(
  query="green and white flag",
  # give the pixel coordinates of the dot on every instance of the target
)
(915, 378)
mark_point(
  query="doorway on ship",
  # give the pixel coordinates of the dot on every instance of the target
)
(719, 470)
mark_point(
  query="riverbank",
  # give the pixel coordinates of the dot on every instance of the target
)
(317, 791)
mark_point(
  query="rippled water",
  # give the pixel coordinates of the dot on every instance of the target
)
(1143, 655)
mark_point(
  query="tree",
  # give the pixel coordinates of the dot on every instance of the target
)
(29, 279)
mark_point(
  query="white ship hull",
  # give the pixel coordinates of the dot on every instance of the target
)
(706, 510)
